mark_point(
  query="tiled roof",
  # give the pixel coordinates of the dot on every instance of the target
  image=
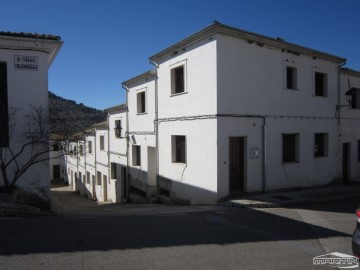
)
(29, 35)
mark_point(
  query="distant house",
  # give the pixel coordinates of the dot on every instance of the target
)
(228, 112)
(24, 63)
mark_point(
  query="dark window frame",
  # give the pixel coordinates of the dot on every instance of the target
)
(320, 84)
(136, 155)
(141, 102)
(102, 142)
(291, 77)
(290, 148)
(321, 145)
(179, 149)
(117, 129)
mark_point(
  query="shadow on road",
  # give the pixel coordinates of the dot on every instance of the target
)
(119, 232)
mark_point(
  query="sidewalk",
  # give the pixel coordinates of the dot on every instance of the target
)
(307, 196)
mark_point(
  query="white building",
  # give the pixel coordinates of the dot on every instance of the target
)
(227, 112)
(24, 63)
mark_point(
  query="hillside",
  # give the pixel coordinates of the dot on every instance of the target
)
(66, 116)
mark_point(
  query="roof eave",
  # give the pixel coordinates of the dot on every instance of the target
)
(218, 28)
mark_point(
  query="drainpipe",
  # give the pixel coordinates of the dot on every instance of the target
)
(127, 184)
(156, 125)
(95, 165)
(108, 152)
(338, 107)
(264, 155)
(339, 90)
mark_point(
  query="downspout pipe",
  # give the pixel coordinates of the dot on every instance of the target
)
(156, 124)
(127, 184)
(95, 165)
(339, 91)
(108, 154)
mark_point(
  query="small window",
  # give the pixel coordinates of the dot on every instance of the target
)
(141, 105)
(98, 178)
(88, 177)
(177, 80)
(56, 147)
(320, 84)
(81, 149)
(178, 149)
(90, 147)
(4, 114)
(291, 78)
(102, 142)
(113, 170)
(136, 155)
(321, 144)
(290, 143)
(118, 128)
(355, 99)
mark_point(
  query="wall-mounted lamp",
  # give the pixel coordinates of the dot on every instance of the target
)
(350, 97)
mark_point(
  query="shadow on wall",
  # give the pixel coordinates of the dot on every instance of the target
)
(152, 231)
(170, 191)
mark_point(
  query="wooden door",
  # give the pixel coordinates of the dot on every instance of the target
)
(237, 164)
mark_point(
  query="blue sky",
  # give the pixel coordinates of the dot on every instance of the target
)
(109, 41)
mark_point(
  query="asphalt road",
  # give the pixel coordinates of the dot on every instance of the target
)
(166, 237)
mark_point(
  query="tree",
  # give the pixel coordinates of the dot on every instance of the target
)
(29, 144)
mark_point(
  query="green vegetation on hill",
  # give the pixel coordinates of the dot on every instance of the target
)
(66, 116)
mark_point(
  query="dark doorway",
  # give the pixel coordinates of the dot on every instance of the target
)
(237, 164)
(346, 162)
(56, 171)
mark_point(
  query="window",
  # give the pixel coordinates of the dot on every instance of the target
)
(90, 147)
(291, 78)
(4, 114)
(118, 128)
(355, 99)
(320, 84)
(74, 151)
(178, 149)
(321, 144)
(81, 149)
(177, 80)
(88, 177)
(56, 147)
(102, 142)
(136, 155)
(113, 170)
(141, 106)
(290, 143)
(98, 178)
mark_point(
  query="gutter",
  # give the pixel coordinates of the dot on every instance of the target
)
(156, 126)
(127, 184)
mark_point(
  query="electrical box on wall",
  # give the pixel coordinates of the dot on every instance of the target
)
(254, 152)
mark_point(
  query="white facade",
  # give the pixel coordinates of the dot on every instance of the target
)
(26, 59)
(228, 112)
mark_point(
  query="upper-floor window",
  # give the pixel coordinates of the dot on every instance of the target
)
(136, 155)
(141, 102)
(98, 178)
(102, 142)
(291, 77)
(178, 80)
(4, 114)
(81, 149)
(290, 148)
(321, 144)
(90, 147)
(178, 149)
(113, 170)
(355, 99)
(118, 128)
(320, 84)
